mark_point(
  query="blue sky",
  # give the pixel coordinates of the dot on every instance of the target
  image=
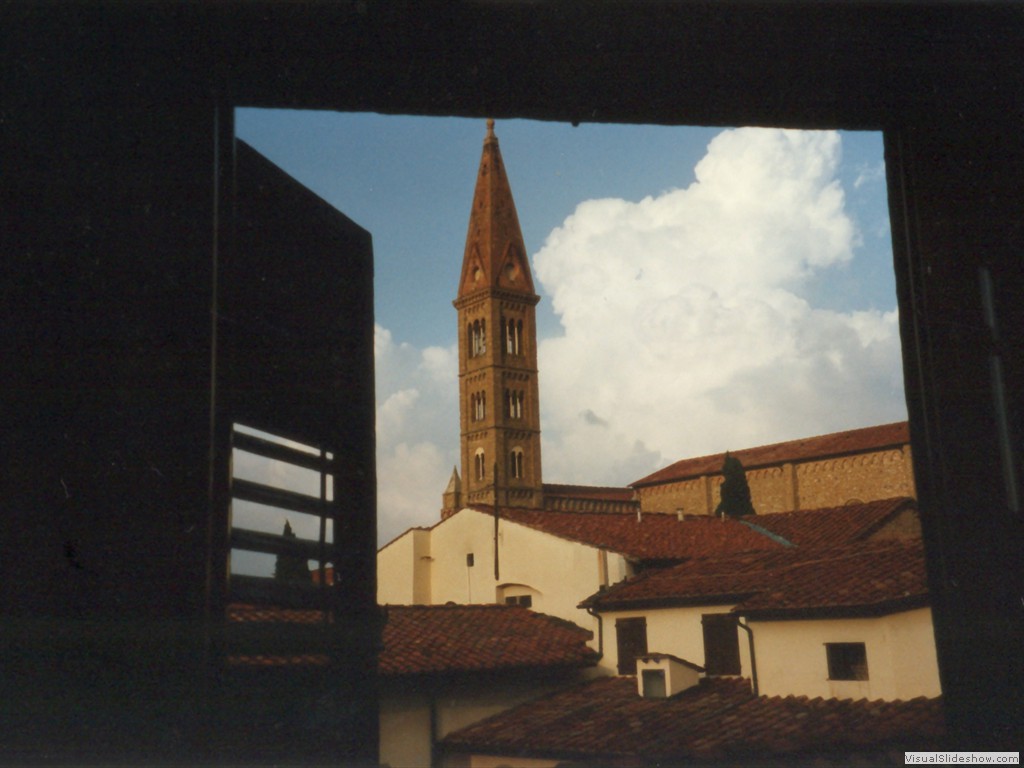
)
(701, 289)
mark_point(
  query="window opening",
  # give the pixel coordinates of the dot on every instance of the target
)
(279, 526)
(847, 661)
(479, 464)
(516, 463)
(512, 332)
(653, 681)
(514, 403)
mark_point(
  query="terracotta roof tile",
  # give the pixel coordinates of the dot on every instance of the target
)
(854, 579)
(697, 581)
(831, 525)
(875, 578)
(446, 638)
(473, 638)
(821, 446)
(652, 537)
(718, 719)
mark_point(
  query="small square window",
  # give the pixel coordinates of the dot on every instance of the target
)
(526, 601)
(653, 681)
(847, 661)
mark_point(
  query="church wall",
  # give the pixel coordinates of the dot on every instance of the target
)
(900, 648)
(830, 482)
(865, 476)
(771, 489)
(691, 496)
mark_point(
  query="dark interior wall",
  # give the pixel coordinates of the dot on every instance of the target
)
(955, 196)
(108, 224)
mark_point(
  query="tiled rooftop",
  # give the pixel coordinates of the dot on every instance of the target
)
(447, 638)
(719, 719)
(831, 525)
(818, 447)
(875, 578)
(855, 579)
(474, 638)
(652, 537)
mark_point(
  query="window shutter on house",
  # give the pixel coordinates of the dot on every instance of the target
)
(631, 635)
(721, 644)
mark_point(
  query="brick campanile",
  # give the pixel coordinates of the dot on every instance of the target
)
(499, 409)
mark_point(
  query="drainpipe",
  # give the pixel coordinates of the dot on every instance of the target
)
(434, 757)
(600, 633)
(753, 659)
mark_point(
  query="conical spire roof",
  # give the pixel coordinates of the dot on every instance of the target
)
(495, 256)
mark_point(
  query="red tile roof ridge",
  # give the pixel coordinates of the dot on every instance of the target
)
(801, 449)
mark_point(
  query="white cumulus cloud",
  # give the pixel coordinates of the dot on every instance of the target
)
(417, 431)
(685, 330)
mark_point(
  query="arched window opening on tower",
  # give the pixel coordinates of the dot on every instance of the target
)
(477, 338)
(515, 460)
(514, 404)
(479, 464)
(512, 331)
(478, 406)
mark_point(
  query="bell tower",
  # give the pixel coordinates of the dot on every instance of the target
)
(498, 391)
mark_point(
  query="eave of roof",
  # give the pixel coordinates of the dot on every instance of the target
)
(873, 610)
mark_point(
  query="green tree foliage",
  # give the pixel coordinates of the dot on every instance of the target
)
(291, 567)
(735, 490)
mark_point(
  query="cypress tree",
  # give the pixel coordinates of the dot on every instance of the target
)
(291, 567)
(735, 491)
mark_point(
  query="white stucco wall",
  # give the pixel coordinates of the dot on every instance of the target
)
(676, 631)
(403, 569)
(557, 572)
(791, 656)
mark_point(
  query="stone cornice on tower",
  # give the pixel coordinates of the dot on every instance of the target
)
(495, 259)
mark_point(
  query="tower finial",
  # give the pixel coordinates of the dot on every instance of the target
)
(490, 127)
